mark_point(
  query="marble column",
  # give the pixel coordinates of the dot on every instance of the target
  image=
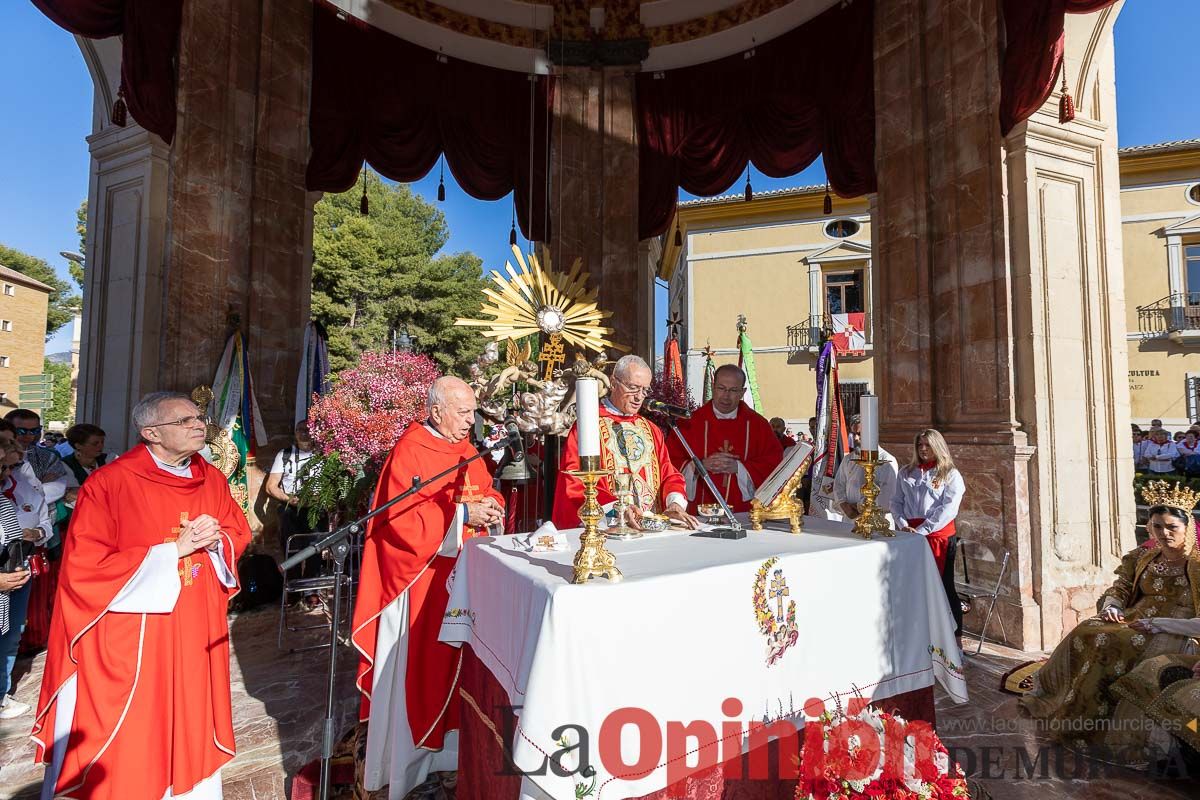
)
(997, 292)
(593, 194)
(238, 251)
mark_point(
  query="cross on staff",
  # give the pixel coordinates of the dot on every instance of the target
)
(779, 590)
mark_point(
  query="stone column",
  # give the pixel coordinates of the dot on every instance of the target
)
(593, 193)
(128, 197)
(238, 247)
(998, 298)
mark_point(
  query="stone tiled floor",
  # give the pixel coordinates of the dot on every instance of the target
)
(278, 707)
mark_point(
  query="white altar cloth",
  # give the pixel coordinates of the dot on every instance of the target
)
(681, 633)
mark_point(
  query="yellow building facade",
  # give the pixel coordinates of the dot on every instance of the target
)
(789, 268)
(23, 306)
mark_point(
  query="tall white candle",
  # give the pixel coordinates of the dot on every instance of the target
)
(868, 409)
(587, 407)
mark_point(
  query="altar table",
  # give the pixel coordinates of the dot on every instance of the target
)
(771, 620)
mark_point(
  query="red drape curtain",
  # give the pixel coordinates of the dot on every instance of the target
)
(808, 92)
(1033, 53)
(150, 31)
(378, 98)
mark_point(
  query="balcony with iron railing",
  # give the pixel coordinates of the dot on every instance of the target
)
(809, 335)
(1177, 316)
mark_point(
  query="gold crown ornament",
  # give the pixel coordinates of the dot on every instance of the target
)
(1171, 495)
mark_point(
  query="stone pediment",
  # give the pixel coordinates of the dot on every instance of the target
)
(847, 250)
(1186, 227)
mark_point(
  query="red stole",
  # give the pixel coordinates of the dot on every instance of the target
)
(400, 554)
(748, 437)
(153, 708)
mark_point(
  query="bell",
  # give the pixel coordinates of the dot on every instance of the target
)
(516, 472)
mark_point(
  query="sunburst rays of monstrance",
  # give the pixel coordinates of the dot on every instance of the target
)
(535, 299)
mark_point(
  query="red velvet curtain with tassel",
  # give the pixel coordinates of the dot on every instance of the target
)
(1033, 53)
(397, 106)
(150, 31)
(808, 92)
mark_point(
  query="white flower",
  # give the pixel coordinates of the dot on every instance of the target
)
(1138, 640)
(1101, 639)
(1158, 584)
(1087, 665)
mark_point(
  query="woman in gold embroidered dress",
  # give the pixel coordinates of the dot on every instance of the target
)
(1147, 612)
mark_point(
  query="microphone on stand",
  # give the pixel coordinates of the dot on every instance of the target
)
(665, 408)
(515, 443)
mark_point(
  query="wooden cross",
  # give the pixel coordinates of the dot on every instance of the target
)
(779, 590)
(190, 569)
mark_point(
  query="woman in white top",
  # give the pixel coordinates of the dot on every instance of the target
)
(929, 491)
(1189, 446)
(1160, 453)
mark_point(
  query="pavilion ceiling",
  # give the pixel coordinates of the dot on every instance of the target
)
(514, 34)
(722, 83)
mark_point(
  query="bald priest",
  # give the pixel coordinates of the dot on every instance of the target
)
(409, 679)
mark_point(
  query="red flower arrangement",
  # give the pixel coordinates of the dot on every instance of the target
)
(873, 754)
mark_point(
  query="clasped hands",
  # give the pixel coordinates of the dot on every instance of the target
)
(484, 514)
(201, 533)
(721, 463)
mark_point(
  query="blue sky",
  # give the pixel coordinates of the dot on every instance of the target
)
(46, 107)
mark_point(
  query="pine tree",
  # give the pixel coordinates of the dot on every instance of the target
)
(377, 275)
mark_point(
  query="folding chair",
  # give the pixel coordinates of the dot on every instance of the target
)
(977, 591)
(305, 586)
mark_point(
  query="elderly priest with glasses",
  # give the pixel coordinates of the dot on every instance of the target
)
(634, 448)
(135, 700)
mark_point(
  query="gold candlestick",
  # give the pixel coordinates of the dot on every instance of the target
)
(593, 559)
(870, 519)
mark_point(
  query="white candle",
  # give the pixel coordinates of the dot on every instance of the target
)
(868, 408)
(587, 409)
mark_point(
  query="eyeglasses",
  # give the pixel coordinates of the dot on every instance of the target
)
(636, 391)
(28, 431)
(187, 422)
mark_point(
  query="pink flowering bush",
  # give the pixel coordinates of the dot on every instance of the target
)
(357, 423)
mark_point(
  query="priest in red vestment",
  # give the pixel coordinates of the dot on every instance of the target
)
(634, 448)
(737, 445)
(407, 677)
(135, 695)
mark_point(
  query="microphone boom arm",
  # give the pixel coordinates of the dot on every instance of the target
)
(703, 473)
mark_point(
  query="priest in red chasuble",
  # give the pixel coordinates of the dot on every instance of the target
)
(135, 695)
(632, 447)
(408, 678)
(737, 445)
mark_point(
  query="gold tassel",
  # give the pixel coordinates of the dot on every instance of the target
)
(678, 236)
(364, 206)
(827, 206)
(749, 189)
(1066, 104)
(441, 185)
(120, 113)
